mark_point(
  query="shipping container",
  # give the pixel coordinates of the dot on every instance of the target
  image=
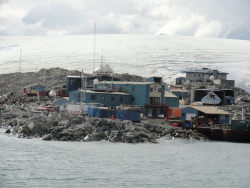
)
(128, 115)
(91, 112)
(173, 112)
(240, 125)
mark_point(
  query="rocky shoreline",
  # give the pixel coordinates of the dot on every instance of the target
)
(65, 127)
(18, 119)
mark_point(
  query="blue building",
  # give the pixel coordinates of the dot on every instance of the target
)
(180, 80)
(33, 89)
(172, 100)
(107, 98)
(62, 103)
(74, 83)
(216, 115)
(229, 100)
(149, 95)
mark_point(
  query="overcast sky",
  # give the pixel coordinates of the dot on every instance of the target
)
(199, 18)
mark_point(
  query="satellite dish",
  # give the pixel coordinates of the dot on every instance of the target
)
(211, 77)
(96, 81)
(52, 93)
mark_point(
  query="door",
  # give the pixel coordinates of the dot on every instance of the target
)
(189, 115)
(154, 112)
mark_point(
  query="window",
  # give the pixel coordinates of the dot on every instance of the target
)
(151, 89)
(199, 75)
(112, 98)
(159, 89)
(103, 98)
(154, 100)
(183, 114)
(133, 99)
(133, 88)
(93, 97)
(121, 99)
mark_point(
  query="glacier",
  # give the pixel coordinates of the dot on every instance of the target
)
(167, 56)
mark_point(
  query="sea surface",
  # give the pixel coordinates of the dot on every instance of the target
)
(145, 55)
(170, 163)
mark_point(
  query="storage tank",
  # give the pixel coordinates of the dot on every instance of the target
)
(198, 94)
(229, 92)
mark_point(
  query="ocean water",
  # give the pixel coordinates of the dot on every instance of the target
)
(170, 163)
(145, 55)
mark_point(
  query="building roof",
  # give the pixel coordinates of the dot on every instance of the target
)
(168, 94)
(71, 76)
(67, 98)
(179, 90)
(125, 82)
(210, 110)
(154, 77)
(205, 70)
(181, 77)
(99, 92)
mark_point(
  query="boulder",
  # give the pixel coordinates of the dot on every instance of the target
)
(36, 128)
(93, 137)
(8, 131)
(46, 137)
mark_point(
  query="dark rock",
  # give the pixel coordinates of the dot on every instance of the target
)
(8, 131)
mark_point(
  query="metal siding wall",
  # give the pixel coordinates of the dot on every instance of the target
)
(107, 101)
(226, 120)
(150, 80)
(91, 112)
(188, 110)
(172, 102)
(119, 113)
(61, 102)
(131, 115)
(141, 93)
(71, 96)
(74, 85)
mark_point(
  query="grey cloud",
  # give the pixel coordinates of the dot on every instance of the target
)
(223, 18)
(4, 1)
(54, 16)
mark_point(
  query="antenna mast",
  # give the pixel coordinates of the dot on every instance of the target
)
(101, 61)
(94, 48)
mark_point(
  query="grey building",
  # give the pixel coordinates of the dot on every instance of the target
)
(204, 75)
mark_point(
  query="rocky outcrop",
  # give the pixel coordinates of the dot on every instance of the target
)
(79, 128)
